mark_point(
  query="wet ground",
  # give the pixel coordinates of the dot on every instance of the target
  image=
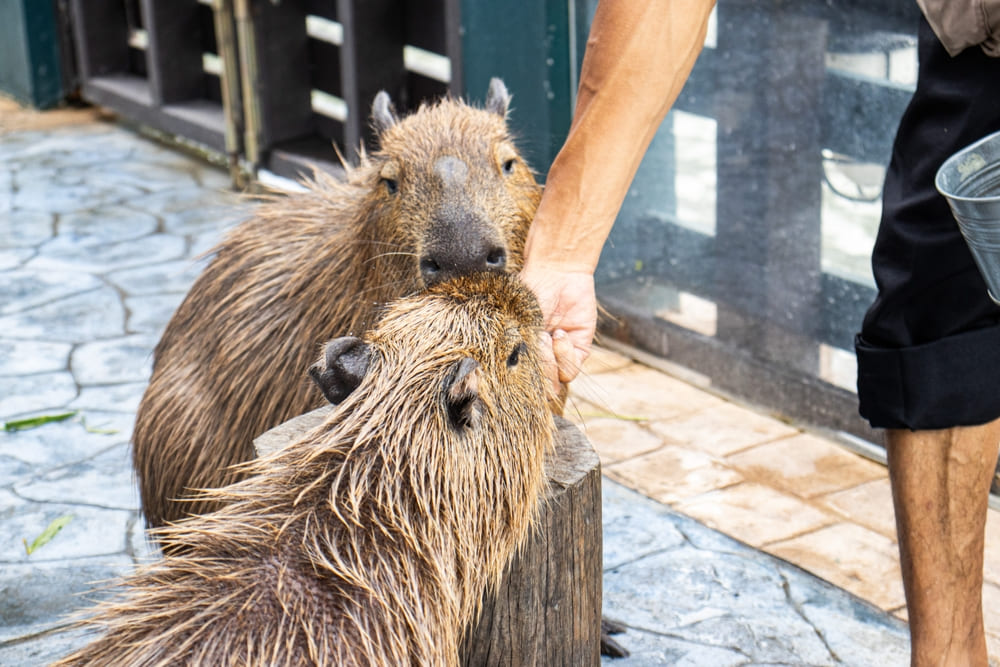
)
(99, 228)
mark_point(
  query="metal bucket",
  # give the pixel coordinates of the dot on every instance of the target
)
(970, 181)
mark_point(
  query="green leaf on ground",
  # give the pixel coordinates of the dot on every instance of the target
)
(47, 534)
(35, 422)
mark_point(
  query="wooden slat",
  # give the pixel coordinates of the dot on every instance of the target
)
(101, 35)
(283, 82)
(371, 60)
(173, 52)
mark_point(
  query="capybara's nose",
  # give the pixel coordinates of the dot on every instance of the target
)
(439, 266)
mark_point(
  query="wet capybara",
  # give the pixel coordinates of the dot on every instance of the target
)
(445, 194)
(371, 539)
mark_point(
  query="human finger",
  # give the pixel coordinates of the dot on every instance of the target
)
(565, 356)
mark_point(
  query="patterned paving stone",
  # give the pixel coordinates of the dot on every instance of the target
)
(15, 257)
(722, 429)
(618, 439)
(105, 481)
(214, 180)
(870, 505)
(649, 649)
(851, 630)
(40, 173)
(91, 531)
(34, 393)
(637, 392)
(633, 526)
(55, 445)
(69, 148)
(755, 513)
(91, 315)
(729, 597)
(123, 397)
(725, 600)
(63, 253)
(27, 357)
(850, 555)
(11, 471)
(39, 595)
(24, 289)
(25, 228)
(145, 175)
(806, 466)
(203, 244)
(189, 208)
(101, 226)
(6, 191)
(167, 277)
(68, 198)
(127, 359)
(671, 473)
(16, 145)
(44, 650)
(150, 314)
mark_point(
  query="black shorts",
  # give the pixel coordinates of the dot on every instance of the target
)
(929, 347)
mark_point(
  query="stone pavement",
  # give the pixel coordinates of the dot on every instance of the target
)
(99, 228)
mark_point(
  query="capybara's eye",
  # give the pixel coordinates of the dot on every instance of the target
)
(515, 356)
(508, 167)
(391, 185)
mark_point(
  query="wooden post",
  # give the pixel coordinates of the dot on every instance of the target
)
(548, 608)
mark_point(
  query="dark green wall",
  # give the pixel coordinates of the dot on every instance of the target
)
(528, 45)
(29, 52)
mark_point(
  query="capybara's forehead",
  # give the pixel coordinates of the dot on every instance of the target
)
(504, 292)
(446, 124)
(468, 307)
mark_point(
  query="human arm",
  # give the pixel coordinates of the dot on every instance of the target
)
(639, 54)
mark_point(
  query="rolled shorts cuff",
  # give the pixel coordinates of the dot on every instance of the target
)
(954, 381)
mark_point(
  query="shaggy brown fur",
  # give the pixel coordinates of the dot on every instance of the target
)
(371, 540)
(310, 266)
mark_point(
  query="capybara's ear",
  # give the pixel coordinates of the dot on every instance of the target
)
(497, 97)
(461, 394)
(383, 114)
(345, 364)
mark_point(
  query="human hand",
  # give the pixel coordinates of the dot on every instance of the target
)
(569, 307)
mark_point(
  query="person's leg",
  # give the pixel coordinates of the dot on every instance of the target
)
(940, 490)
(929, 359)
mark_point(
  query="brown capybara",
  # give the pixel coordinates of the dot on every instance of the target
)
(370, 540)
(445, 194)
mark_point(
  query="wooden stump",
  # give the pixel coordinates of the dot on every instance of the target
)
(548, 608)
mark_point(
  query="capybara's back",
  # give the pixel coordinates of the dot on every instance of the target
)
(371, 539)
(445, 194)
